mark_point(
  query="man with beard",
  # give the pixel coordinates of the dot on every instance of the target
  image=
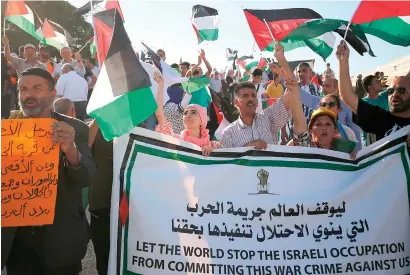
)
(21, 64)
(45, 59)
(59, 247)
(252, 128)
(371, 118)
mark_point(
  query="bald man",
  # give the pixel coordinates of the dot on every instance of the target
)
(64, 106)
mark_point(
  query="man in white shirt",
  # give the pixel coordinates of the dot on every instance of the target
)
(260, 89)
(74, 87)
(76, 62)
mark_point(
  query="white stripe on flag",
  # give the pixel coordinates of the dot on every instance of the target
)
(206, 23)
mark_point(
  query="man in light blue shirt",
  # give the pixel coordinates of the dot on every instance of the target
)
(330, 86)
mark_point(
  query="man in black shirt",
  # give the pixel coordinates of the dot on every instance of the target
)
(373, 119)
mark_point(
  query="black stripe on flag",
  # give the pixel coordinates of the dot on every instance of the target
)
(284, 14)
(107, 17)
(357, 39)
(123, 67)
(150, 55)
(87, 7)
(202, 11)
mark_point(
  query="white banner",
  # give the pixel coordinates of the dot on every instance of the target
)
(286, 210)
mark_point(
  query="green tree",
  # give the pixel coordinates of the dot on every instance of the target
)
(61, 12)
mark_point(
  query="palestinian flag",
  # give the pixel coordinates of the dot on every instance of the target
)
(93, 48)
(100, 5)
(231, 56)
(205, 23)
(122, 96)
(55, 35)
(18, 13)
(297, 28)
(388, 20)
(170, 75)
(264, 64)
(247, 63)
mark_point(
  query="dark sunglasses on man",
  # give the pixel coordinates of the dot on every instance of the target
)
(328, 105)
(400, 90)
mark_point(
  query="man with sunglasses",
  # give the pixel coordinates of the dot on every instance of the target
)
(373, 119)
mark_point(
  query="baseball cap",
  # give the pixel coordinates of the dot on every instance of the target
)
(320, 112)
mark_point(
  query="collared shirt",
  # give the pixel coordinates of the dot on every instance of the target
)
(22, 64)
(265, 126)
(57, 70)
(72, 86)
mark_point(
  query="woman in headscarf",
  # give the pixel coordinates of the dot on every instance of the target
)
(194, 120)
(174, 107)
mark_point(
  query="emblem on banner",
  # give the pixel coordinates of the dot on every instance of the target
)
(263, 185)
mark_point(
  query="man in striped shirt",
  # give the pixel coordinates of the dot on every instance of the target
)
(251, 128)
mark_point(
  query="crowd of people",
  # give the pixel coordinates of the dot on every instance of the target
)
(271, 108)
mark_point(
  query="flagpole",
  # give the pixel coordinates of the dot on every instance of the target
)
(82, 48)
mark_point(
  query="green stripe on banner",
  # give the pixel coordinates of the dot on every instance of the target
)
(133, 108)
(245, 162)
(208, 35)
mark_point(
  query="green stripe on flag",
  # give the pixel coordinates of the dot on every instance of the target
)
(393, 30)
(133, 108)
(208, 35)
(24, 24)
(195, 84)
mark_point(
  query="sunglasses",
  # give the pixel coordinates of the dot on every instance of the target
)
(330, 104)
(400, 90)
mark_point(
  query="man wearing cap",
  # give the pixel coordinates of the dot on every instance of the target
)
(21, 64)
(45, 59)
(57, 248)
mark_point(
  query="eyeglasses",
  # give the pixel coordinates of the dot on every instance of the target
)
(330, 104)
(400, 90)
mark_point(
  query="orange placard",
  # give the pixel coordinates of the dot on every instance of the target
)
(29, 172)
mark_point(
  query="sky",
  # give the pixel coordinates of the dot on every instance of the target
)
(167, 25)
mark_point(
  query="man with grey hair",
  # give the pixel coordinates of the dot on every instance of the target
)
(74, 87)
(67, 58)
(64, 106)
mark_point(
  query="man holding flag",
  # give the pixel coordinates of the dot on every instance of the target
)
(22, 64)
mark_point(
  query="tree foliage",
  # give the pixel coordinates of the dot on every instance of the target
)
(61, 12)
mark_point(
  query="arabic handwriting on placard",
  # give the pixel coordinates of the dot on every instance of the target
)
(29, 172)
(12, 129)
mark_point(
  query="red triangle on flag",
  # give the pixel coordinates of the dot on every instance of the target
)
(114, 4)
(262, 63)
(124, 209)
(315, 80)
(369, 11)
(16, 8)
(48, 31)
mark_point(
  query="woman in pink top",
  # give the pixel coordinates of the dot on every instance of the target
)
(195, 120)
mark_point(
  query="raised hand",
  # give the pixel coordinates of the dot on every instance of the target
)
(279, 51)
(343, 51)
(159, 78)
